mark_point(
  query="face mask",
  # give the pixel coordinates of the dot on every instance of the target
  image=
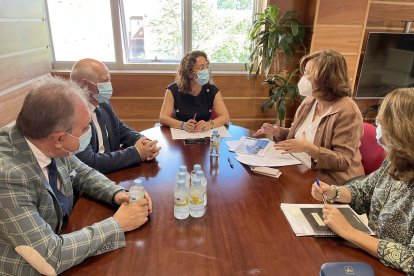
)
(305, 87)
(203, 76)
(84, 141)
(105, 92)
(378, 135)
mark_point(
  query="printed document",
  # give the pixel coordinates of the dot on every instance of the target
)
(179, 134)
(271, 158)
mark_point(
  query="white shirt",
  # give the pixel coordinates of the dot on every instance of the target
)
(42, 160)
(309, 127)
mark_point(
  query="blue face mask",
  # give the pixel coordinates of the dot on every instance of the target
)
(203, 77)
(378, 135)
(84, 141)
(105, 92)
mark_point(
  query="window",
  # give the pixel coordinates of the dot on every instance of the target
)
(142, 34)
(75, 35)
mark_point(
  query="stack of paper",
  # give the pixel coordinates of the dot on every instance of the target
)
(178, 134)
(307, 219)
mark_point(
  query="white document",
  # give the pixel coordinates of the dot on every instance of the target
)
(301, 226)
(178, 134)
(272, 157)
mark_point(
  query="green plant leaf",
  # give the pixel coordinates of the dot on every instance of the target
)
(281, 111)
(294, 27)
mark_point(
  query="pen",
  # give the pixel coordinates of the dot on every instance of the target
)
(231, 163)
(195, 114)
(319, 185)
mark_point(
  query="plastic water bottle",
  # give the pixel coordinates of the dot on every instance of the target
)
(200, 174)
(183, 169)
(137, 191)
(215, 144)
(181, 198)
(196, 199)
(197, 167)
(181, 175)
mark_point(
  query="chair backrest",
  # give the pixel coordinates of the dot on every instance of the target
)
(372, 154)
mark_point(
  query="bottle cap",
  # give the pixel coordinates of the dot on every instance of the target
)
(183, 168)
(196, 181)
(215, 131)
(197, 167)
(181, 175)
(137, 182)
(200, 173)
(181, 182)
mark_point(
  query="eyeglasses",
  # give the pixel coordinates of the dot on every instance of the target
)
(201, 67)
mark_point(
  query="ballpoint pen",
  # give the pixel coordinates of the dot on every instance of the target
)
(231, 163)
(319, 185)
(195, 115)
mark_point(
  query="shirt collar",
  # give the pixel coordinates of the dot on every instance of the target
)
(41, 158)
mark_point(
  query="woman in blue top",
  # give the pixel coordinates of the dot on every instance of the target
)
(386, 195)
(190, 101)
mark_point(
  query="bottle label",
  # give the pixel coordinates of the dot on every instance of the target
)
(181, 201)
(197, 200)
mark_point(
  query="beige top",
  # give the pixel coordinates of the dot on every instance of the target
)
(338, 138)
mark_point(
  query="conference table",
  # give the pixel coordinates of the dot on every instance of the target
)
(243, 232)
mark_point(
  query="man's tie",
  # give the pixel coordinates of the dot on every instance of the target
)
(53, 176)
(103, 129)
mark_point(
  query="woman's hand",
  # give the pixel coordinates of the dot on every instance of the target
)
(295, 145)
(202, 126)
(337, 222)
(190, 125)
(325, 189)
(268, 128)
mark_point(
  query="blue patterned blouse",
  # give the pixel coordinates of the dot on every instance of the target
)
(390, 208)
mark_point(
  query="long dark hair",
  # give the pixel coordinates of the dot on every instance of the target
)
(184, 73)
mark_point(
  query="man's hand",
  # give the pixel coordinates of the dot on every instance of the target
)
(147, 149)
(132, 215)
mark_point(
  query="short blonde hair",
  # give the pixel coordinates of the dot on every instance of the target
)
(329, 74)
(397, 124)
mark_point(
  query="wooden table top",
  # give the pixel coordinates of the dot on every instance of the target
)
(244, 231)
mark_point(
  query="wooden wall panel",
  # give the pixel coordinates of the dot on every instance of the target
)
(343, 39)
(10, 105)
(21, 68)
(388, 14)
(23, 36)
(137, 108)
(342, 12)
(24, 52)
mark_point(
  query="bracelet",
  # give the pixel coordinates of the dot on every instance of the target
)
(337, 194)
(211, 124)
(182, 125)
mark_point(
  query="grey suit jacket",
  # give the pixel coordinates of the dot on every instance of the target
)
(30, 214)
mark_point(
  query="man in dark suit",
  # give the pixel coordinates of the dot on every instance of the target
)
(114, 145)
(38, 173)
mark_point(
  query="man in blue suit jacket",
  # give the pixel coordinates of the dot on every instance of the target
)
(114, 145)
(38, 174)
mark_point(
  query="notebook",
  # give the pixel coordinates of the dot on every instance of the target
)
(307, 219)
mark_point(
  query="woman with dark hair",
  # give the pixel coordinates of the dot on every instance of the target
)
(386, 195)
(189, 102)
(326, 131)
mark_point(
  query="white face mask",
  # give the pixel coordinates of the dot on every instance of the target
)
(305, 87)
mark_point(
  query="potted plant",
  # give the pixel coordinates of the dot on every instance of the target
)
(272, 33)
(281, 86)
